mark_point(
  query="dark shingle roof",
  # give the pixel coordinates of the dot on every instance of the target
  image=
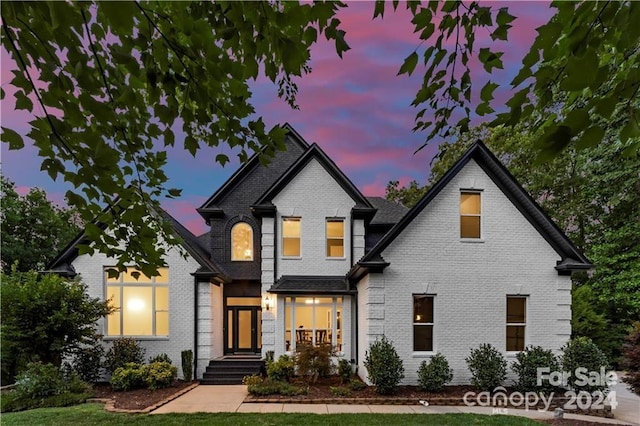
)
(325, 284)
(62, 263)
(388, 211)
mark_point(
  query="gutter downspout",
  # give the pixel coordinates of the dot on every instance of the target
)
(195, 328)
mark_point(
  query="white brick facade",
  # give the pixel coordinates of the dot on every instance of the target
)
(470, 280)
(181, 304)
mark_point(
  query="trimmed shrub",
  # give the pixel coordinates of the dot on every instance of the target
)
(124, 351)
(631, 360)
(39, 380)
(252, 380)
(314, 361)
(159, 374)
(526, 368)
(160, 358)
(130, 376)
(87, 362)
(344, 370)
(259, 387)
(187, 364)
(268, 357)
(487, 366)
(281, 370)
(356, 384)
(432, 376)
(384, 366)
(581, 352)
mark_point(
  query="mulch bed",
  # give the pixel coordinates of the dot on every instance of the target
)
(137, 399)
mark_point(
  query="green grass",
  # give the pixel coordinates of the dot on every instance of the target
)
(93, 414)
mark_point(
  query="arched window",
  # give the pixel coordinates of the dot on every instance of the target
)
(241, 242)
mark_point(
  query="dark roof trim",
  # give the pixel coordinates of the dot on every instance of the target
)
(243, 171)
(210, 212)
(62, 263)
(510, 187)
(365, 213)
(263, 210)
(361, 269)
(315, 152)
(192, 245)
(311, 284)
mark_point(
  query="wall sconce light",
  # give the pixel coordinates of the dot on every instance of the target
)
(267, 303)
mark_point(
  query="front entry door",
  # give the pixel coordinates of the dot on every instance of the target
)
(244, 332)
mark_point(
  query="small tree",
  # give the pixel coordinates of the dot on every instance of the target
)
(488, 367)
(314, 361)
(384, 366)
(45, 318)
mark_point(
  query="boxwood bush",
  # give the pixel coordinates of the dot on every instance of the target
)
(526, 368)
(487, 366)
(581, 352)
(384, 366)
(432, 376)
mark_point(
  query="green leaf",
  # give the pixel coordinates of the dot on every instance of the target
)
(486, 94)
(222, 159)
(504, 18)
(191, 145)
(490, 59)
(12, 138)
(378, 9)
(174, 193)
(591, 137)
(580, 72)
(23, 102)
(409, 64)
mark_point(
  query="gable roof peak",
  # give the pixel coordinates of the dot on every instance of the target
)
(315, 152)
(507, 183)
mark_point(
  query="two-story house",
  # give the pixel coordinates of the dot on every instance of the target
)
(296, 253)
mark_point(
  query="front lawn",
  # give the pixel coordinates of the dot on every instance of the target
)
(93, 414)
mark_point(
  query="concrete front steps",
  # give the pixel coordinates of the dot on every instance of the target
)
(229, 370)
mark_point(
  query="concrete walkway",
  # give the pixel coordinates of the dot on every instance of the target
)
(229, 398)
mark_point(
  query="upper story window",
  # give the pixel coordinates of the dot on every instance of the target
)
(516, 322)
(242, 242)
(335, 238)
(291, 236)
(422, 323)
(470, 214)
(142, 303)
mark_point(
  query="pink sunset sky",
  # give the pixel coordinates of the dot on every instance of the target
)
(355, 108)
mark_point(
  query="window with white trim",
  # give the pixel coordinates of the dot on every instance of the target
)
(423, 323)
(335, 237)
(291, 236)
(516, 322)
(313, 321)
(470, 214)
(142, 303)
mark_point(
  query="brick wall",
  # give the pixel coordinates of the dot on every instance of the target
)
(470, 281)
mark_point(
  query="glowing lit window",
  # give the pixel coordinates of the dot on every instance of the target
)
(291, 236)
(311, 320)
(335, 237)
(516, 322)
(423, 323)
(470, 214)
(242, 242)
(142, 303)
